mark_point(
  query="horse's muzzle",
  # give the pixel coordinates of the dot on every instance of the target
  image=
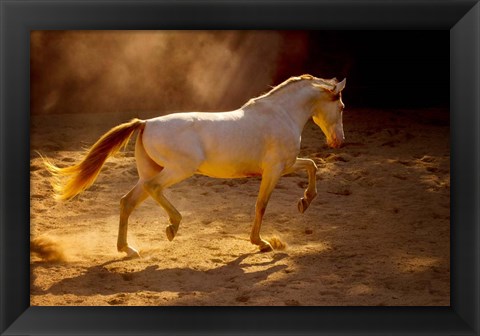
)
(335, 143)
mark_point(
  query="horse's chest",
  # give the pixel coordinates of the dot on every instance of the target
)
(286, 146)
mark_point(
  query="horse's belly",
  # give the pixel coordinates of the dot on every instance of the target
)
(225, 170)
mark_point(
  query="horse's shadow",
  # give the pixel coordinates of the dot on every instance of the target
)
(103, 280)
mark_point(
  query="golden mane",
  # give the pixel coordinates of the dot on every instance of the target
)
(328, 83)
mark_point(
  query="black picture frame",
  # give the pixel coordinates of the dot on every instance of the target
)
(18, 18)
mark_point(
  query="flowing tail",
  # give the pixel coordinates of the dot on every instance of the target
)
(70, 181)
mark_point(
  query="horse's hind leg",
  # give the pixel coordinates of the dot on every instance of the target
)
(147, 169)
(311, 190)
(127, 204)
(155, 188)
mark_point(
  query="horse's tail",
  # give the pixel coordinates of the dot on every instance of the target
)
(83, 174)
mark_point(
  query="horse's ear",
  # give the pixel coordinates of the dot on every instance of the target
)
(340, 86)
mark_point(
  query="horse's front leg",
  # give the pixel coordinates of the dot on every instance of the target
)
(311, 190)
(270, 178)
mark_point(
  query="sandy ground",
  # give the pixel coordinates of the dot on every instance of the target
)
(377, 234)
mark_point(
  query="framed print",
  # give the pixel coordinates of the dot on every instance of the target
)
(377, 231)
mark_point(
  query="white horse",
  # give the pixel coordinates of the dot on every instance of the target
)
(262, 138)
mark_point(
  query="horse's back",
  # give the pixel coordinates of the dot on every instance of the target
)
(204, 139)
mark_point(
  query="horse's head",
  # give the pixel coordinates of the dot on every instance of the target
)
(328, 110)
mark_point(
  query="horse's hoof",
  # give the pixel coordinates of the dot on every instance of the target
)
(171, 231)
(266, 247)
(302, 205)
(132, 253)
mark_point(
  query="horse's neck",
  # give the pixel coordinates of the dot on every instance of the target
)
(298, 104)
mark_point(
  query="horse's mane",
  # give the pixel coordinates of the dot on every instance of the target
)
(328, 83)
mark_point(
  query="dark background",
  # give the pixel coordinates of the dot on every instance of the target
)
(387, 68)
(168, 71)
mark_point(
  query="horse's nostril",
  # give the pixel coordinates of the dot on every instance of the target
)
(337, 144)
(334, 143)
